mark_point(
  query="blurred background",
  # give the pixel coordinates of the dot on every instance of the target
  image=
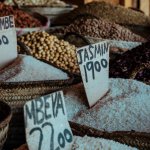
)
(143, 5)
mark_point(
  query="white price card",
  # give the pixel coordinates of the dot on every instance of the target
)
(93, 61)
(8, 40)
(46, 123)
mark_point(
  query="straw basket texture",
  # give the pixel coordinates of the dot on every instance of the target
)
(16, 94)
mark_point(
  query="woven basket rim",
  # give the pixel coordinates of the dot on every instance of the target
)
(35, 82)
(8, 116)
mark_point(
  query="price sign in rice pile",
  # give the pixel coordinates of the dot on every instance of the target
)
(8, 40)
(94, 66)
(46, 123)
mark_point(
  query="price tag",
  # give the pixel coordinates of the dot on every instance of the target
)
(46, 123)
(94, 66)
(8, 40)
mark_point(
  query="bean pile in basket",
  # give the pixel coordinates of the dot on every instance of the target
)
(100, 28)
(50, 48)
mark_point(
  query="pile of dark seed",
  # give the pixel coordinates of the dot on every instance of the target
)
(133, 64)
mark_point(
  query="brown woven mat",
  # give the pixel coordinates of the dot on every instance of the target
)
(16, 94)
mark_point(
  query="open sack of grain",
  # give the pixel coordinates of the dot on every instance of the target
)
(124, 108)
(121, 115)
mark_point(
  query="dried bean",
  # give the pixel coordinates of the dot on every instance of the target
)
(100, 28)
(59, 52)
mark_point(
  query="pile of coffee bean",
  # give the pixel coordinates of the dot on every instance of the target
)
(51, 49)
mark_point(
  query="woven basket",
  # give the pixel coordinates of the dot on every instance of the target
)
(17, 94)
(5, 117)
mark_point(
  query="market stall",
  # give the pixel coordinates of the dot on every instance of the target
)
(74, 77)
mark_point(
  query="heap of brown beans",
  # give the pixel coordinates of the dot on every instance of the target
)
(50, 48)
(100, 28)
(22, 19)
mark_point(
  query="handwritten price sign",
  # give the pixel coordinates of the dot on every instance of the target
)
(46, 123)
(94, 65)
(8, 40)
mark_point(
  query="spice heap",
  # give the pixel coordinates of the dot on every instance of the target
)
(50, 48)
(52, 3)
(133, 64)
(117, 14)
(126, 107)
(100, 28)
(22, 19)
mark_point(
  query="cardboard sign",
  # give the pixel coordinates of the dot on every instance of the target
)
(8, 40)
(46, 123)
(94, 65)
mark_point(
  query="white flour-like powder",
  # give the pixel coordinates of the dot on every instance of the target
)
(91, 143)
(126, 107)
(35, 70)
